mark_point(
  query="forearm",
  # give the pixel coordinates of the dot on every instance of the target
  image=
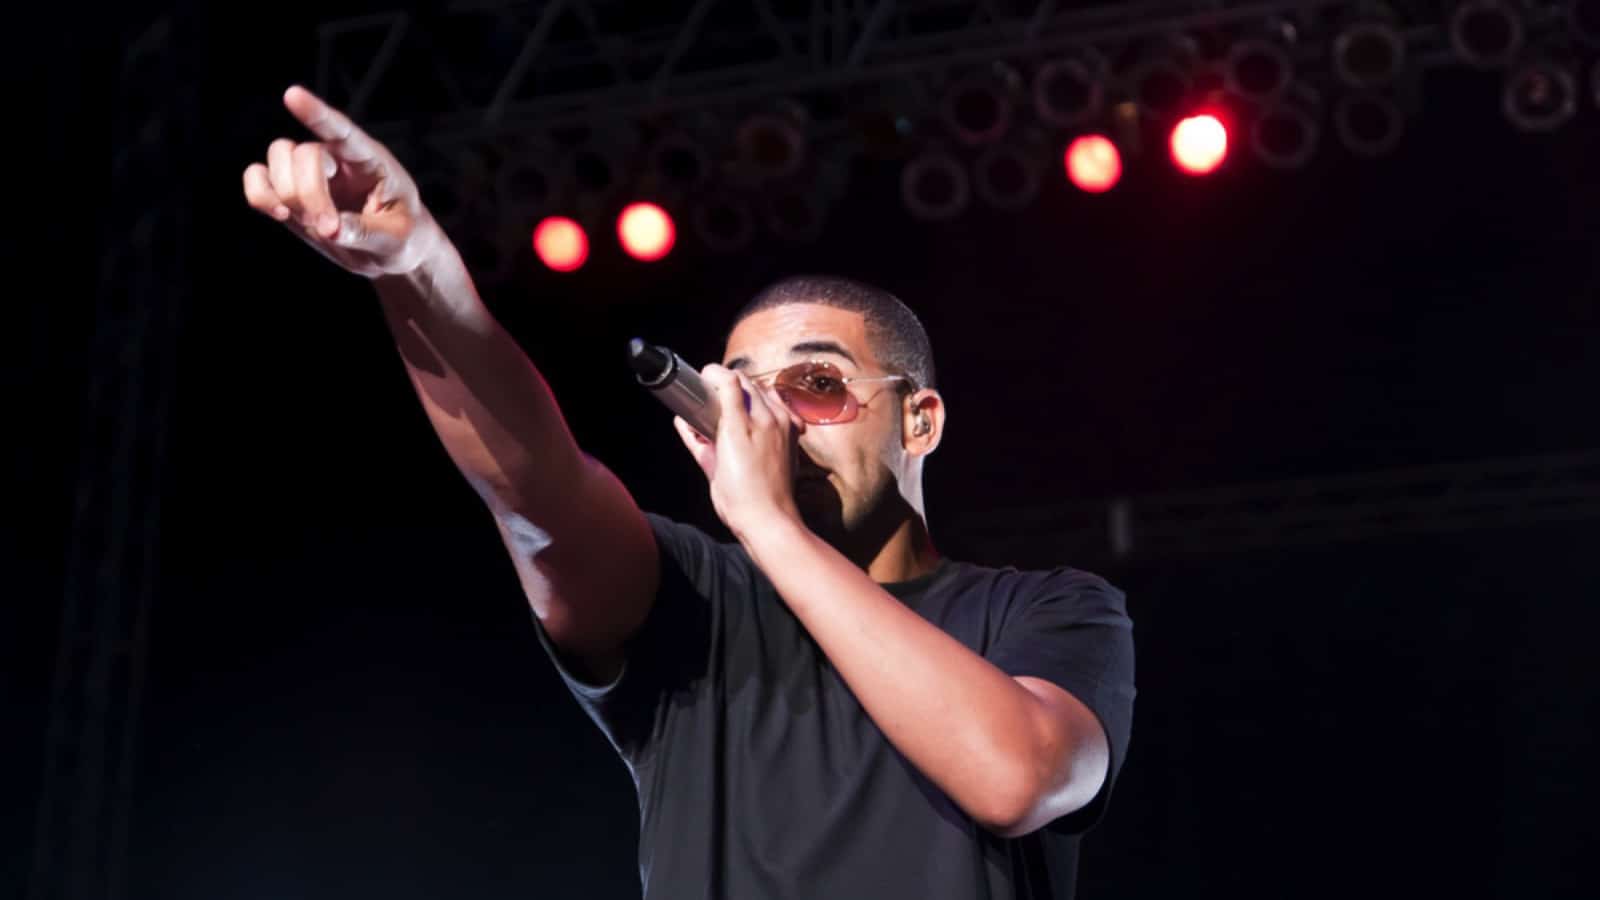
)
(963, 723)
(559, 512)
(492, 410)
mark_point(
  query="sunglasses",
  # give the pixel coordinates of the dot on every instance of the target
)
(818, 392)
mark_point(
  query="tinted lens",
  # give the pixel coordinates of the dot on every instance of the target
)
(815, 391)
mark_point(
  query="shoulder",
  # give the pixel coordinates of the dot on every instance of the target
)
(679, 534)
(708, 564)
(1063, 588)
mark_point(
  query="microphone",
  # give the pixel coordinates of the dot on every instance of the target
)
(677, 385)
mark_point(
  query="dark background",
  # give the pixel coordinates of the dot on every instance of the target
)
(345, 698)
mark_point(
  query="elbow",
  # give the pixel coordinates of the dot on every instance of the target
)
(1032, 796)
(1010, 802)
(1010, 825)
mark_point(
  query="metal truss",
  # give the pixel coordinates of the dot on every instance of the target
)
(81, 830)
(483, 68)
(1410, 501)
(460, 91)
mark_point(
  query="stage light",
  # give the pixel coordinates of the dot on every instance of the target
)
(773, 144)
(561, 243)
(884, 116)
(978, 108)
(1285, 135)
(1540, 95)
(1258, 70)
(1199, 144)
(1485, 33)
(523, 188)
(1006, 176)
(1368, 54)
(593, 170)
(462, 192)
(724, 223)
(678, 162)
(646, 231)
(1070, 91)
(1093, 163)
(934, 186)
(1369, 125)
(1583, 17)
(1161, 84)
(794, 213)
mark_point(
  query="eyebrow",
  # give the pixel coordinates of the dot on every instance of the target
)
(803, 348)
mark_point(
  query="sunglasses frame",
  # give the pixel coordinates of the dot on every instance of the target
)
(851, 407)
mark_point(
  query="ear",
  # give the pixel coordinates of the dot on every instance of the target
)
(923, 424)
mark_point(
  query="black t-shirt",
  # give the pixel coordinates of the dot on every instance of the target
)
(760, 777)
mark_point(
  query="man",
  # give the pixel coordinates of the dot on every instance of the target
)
(825, 707)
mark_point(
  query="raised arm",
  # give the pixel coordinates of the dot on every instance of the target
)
(583, 551)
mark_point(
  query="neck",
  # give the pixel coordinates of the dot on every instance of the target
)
(907, 553)
(891, 544)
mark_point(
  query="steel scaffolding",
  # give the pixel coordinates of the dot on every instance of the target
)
(81, 832)
(708, 54)
(1416, 500)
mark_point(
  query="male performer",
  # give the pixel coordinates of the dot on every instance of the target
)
(825, 708)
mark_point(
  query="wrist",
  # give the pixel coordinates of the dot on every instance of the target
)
(427, 253)
(770, 531)
(433, 273)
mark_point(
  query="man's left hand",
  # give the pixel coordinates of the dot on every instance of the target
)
(750, 466)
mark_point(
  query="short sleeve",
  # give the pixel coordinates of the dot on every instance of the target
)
(1072, 629)
(671, 654)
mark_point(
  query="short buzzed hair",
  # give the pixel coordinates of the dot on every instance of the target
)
(896, 334)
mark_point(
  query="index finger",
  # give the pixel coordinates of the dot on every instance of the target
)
(343, 138)
(730, 396)
(755, 400)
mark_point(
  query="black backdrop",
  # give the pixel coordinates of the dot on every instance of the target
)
(345, 698)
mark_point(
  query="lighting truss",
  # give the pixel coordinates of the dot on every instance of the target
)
(85, 794)
(459, 91)
(571, 66)
(1313, 511)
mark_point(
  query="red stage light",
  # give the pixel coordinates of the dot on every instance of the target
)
(1093, 163)
(561, 243)
(646, 231)
(1200, 144)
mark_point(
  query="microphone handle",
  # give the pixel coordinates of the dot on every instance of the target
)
(687, 395)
